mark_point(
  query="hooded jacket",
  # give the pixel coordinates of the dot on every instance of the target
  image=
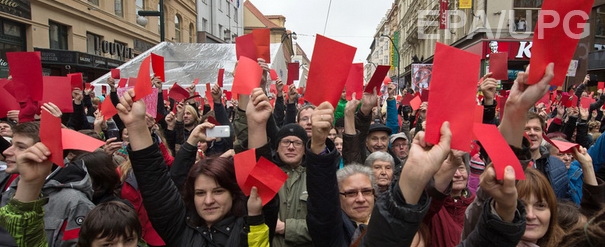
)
(69, 191)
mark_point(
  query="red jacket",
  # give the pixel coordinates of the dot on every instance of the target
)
(446, 218)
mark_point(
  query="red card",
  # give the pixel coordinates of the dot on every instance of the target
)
(88, 86)
(244, 163)
(178, 93)
(157, 62)
(478, 114)
(262, 41)
(424, 97)
(57, 89)
(558, 30)
(221, 76)
(563, 146)
(209, 96)
(354, 82)
(292, 73)
(76, 80)
(165, 94)
(301, 90)
(406, 100)
(143, 86)
(415, 102)
(228, 95)
(601, 85)
(544, 99)
(212, 120)
(585, 102)
(498, 150)
(498, 65)
(115, 74)
(574, 101)
(7, 102)
(273, 74)
(50, 135)
(108, 110)
(26, 70)
(245, 47)
(132, 82)
(377, 78)
(447, 78)
(301, 100)
(247, 76)
(122, 82)
(75, 140)
(267, 178)
(328, 71)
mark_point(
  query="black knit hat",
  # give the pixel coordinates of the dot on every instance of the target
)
(291, 129)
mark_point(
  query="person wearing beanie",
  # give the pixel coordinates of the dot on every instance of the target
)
(287, 152)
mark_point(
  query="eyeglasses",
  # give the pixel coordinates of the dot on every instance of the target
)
(286, 143)
(354, 193)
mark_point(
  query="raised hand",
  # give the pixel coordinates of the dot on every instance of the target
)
(349, 118)
(77, 96)
(488, 88)
(112, 145)
(503, 192)
(255, 203)
(198, 134)
(180, 111)
(170, 121)
(216, 93)
(157, 82)
(392, 90)
(423, 162)
(279, 86)
(259, 109)
(580, 154)
(292, 94)
(112, 83)
(33, 166)
(368, 101)
(321, 121)
(133, 116)
(52, 109)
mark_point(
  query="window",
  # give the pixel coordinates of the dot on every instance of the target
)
(526, 14)
(220, 5)
(57, 35)
(140, 5)
(228, 9)
(600, 22)
(92, 42)
(220, 31)
(177, 29)
(191, 32)
(204, 25)
(12, 29)
(235, 14)
(95, 2)
(118, 8)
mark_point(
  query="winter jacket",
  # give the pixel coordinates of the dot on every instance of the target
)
(69, 191)
(556, 172)
(259, 231)
(25, 222)
(392, 116)
(446, 218)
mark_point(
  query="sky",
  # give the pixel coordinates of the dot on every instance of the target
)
(352, 22)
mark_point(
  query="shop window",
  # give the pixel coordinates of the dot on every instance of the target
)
(118, 8)
(526, 14)
(58, 36)
(191, 32)
(177, 28)
(92, 42)
(12, 29)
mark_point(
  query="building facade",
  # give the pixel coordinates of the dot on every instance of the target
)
(219, 21)
(89, 36)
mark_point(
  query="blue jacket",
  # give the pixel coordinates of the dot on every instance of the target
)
(575, 174)
(392, 116)
(556, 172)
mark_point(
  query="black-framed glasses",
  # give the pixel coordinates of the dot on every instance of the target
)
(286, 143)
(354, 193)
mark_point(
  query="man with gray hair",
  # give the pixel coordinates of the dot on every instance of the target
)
(382, 164)
(356, 187)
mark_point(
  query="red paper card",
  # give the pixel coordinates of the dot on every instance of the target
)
(498, 65)
(601, 85)
(573, 101)
(247, 76)
(424, 97)
(50, 135)
(478, 114)
(143, 86)
(558, 30)
(328, 71)
(26, 70)
(563, 146)
(498, 150)
(354, 82)
(267, 178)
(447, 78)
(57, 89)
(132, 82)
(406, 100)
(415, 102)
(157, 63)
(292, 73)
(212, 120)
(273, 74)
(7, 102)
(178, 93)
(115, 74)
(108, 110)
(377, 78)
(262, 41)
(122, 82)
(244, 164)
(301, 100)
(76, 80)
(221, 77)
(544, 99)
(228, 95)
(88, 86)
(585, 102)
(75, 140)
(209, 96)
(245, 47)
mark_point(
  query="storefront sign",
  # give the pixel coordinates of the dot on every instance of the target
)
(114, 49)
(443, 15)
(517, 50)
(19, 8)
(49, 56)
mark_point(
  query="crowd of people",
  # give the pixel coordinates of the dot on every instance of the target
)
(358, 174)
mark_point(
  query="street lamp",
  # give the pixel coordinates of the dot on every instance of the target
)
(159, 13)
(292, 36)
(396, 50)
